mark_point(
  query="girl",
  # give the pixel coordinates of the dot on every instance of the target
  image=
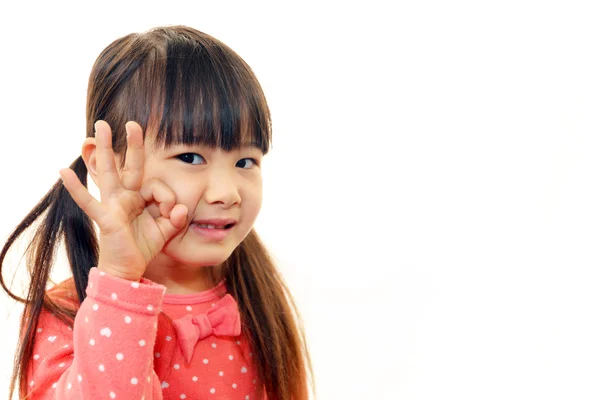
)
(177, 297)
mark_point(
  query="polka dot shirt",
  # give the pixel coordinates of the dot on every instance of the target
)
(123, 347)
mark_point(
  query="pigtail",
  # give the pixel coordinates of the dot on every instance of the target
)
(271, 321)
(63, 219)
(201, 91)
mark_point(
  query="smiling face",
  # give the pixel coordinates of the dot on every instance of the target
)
(198, 102)
(211, 183)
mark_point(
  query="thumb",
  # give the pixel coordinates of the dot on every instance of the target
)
(169, 226)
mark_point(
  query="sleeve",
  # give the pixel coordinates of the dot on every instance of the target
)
(109, 352)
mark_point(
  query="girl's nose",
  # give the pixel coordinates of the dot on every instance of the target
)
(221, 188)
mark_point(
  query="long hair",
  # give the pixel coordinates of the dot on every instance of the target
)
(192, 89)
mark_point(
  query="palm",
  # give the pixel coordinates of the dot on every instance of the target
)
(130, 236)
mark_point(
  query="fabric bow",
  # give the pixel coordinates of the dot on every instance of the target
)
(223, 319)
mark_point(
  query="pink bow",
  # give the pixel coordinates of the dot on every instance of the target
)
(223, 319)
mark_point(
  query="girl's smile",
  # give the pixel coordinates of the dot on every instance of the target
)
(213, 228)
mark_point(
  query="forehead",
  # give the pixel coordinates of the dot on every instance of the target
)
(155, 145)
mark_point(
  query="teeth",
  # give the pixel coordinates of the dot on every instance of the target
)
(210, 226)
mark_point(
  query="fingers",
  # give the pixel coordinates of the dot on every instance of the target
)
(133, 172)
(174, 223)
(156, 190)
(178, 216)
(80, 194)
(109, 181)
(172, 217)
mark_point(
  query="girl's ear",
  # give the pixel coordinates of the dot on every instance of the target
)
(88, 153)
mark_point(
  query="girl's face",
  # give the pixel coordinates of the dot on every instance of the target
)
(211, 183)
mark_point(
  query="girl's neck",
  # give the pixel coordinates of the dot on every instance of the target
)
(183, 279)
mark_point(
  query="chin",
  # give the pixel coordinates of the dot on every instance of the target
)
(198, 257)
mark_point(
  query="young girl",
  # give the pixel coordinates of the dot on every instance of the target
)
(177, 297)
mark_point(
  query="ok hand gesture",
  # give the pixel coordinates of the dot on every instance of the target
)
(130, 237)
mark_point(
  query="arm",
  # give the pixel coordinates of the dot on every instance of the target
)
(109, 352)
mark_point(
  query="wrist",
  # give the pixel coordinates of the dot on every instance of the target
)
(119, 273)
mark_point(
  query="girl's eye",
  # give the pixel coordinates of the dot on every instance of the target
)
(189, 159)
(251, 159)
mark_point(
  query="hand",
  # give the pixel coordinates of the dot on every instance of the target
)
(130, 237)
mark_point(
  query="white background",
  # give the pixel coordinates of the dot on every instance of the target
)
(432, 194)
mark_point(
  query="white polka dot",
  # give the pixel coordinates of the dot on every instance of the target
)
(148, 378)
(205, 361)
(230, 357)
(176, 366)
(213, 304)
(102, 273)
(36, 356)
(220, 373)
(135, 285)
(182, 396)
(244, 370)
(113, 296)
(195, 378)
(79, 378)
(247, 397)
(168, 338)
(234, 385)
(157, 355)
(134, 381)
(214, 345)
(101, 367)
(61, 365)
(149, 307)
(31, 383)
(86, 320)
(39, 330)
(69, 386)
(54, 385)
(189, 308)
(92, 342)
(95, 307)
(105, 332)
(119, 356)
(112, 395)
(142, 343)
(65, 346)
(127, 319)
(237, 342)
(212, 390)
(164, 385)
(51, 338)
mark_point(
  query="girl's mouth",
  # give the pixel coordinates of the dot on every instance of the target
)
(212, 232)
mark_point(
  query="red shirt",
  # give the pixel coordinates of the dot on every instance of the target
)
(122, 347)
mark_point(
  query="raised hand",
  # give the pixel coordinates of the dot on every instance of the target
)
(130, 237)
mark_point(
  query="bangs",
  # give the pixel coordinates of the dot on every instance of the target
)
(198, 92)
